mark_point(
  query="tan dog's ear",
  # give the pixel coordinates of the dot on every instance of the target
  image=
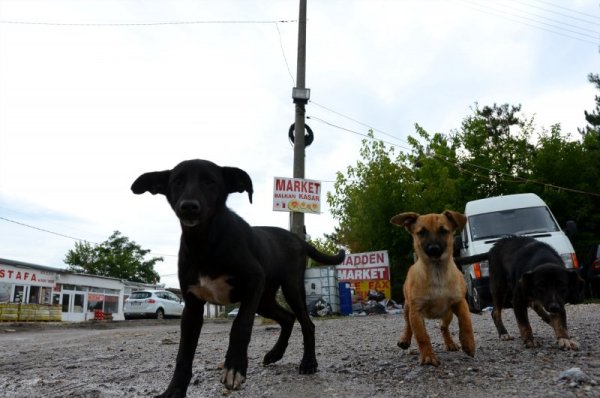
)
(458, 219)
(406, 220)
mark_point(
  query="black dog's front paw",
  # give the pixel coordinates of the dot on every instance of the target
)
(233, 375)
(173, 393)
(272, 357)
(308, 367)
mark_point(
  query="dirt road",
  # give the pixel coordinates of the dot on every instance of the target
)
(358, 357)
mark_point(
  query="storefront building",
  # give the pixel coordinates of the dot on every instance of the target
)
(31, 292)
(27, 290)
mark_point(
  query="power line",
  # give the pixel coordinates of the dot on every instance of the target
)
(534, 19)
(67, 236)
(198, 22)
(554, 20)
(567, 9)
(478, 8)
(47, 231)
(283, 53)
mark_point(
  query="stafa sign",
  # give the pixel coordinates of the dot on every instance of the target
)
(26, 276)
(296, 194)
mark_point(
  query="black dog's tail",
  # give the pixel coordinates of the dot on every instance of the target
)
(323, 258)
(471, 259)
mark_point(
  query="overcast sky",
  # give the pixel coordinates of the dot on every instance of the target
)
(95, 93)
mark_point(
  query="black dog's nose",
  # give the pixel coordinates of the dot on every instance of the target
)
(434, 250)
(189, 206)
(553, 307)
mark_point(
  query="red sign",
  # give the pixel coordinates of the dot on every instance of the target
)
(95, 297)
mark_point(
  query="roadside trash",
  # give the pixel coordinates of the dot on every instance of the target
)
(575, 375)
(319, 307)
(375, 307)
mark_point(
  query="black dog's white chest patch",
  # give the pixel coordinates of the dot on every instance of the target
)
(214, 291)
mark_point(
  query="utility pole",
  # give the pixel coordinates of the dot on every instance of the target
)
(300, 94)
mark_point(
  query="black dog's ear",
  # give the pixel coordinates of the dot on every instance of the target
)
(458, 219)
(576, 288)
(406, 220)
(237, 180)
(154, 182)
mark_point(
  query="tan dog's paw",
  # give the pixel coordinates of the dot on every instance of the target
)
(568, 344)
(469, 348)
(428, 359)
(404, 344)
(506, 337)
(452, 347)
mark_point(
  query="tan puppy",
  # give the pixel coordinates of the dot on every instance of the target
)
(434, 287)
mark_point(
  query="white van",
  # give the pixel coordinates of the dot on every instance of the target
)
(493, 218)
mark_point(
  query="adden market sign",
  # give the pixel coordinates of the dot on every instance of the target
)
(367, 271)
(296, 194)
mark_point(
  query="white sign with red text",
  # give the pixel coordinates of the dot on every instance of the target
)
(366, 272)
(296, 194)
(365, 266)
(24, 276)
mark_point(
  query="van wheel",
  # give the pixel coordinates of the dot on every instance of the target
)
(160, 314)
(474, 301)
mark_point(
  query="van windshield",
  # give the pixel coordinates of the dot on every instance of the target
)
(528, 220)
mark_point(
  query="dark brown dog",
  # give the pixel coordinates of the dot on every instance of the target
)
(526, 272)
(434, 287)
(224, 260)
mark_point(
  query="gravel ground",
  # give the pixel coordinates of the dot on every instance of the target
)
(358, 357)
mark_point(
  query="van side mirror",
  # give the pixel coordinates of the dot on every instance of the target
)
(571, 228)
(458, 245)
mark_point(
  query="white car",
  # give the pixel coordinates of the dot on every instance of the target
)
(157, 304)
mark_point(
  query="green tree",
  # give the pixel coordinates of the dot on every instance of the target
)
(493, 143)
(117, 257)
(593, 117)
(325, 245)
(365, 199)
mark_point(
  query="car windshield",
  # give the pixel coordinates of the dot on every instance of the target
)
(528, 220)
(140, 295)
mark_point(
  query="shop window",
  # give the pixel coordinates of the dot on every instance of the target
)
(95, 302)
(65, 302)
(95, 305)
(56, 298)
(4, 292)
(78, 300)
(34, 295)
(111, 304)
(46, 295)
(18, 295)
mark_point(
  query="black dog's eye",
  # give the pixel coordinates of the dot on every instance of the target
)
(178, 182)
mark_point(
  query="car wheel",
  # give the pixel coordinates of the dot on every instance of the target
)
(127, 317)
(160, 313)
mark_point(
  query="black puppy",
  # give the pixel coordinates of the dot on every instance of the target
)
(527, 272)
(223, 260)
